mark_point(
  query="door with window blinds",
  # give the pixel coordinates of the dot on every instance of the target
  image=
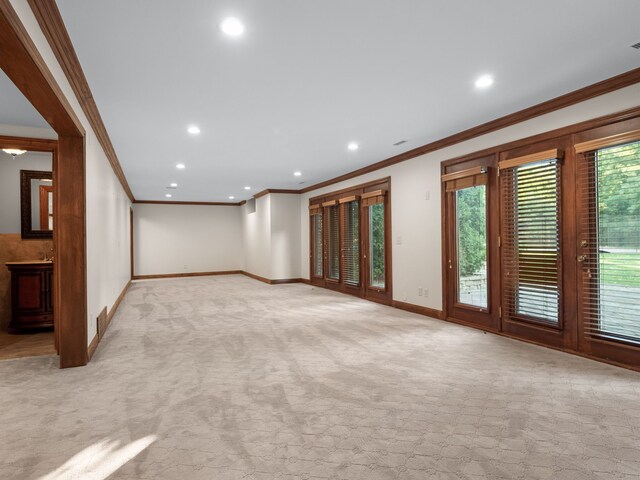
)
(609, 244)
(332, 260)
(350, 250)
(535, 216)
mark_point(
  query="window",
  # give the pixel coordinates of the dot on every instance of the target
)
(376, 247)
(317, 250)
(333, 242)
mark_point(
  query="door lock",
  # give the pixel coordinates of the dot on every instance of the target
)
(582, 258)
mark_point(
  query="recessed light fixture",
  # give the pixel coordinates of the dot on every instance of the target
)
(193, 130)
(173, 185)
(484, 81)
(168, 195)
(232, 26)
(297, 174)
(231, 197)
(181, 166)
(247, 188)
(353, 146)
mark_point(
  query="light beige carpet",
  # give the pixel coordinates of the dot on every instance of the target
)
(228, 378)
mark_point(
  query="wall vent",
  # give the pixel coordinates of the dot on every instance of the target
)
(399, 143)
(636, 46)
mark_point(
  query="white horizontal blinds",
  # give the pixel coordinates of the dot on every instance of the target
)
(530, 196)
(318, 241)
(351, 241)
(610, 249)
(333, 240)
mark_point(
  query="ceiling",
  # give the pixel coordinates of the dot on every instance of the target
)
(307, 78)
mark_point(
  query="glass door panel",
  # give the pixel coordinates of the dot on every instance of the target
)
(351, 243)
(317, 245)
(471, 246)
(611, 249)
(333, 243)
(376, 246)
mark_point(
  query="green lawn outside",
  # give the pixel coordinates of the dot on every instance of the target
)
(620, 269)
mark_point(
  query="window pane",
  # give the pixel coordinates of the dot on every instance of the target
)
(618, 240)
(333, 243)
(376, 247)
(352, 243)
(317, 245)
(531, 241)
(471, 223)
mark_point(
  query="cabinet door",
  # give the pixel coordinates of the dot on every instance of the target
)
(49, 291)
(29, 291)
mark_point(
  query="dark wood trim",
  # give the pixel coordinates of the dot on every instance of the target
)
(162, 202)
(69, 237)
(181, 275)
(338, 193)
(23, 64)
(91, 349)
(606, 86)
(131, 243)
(52, 25)
(272, 282)
(426, 311)
(274, 190)
(28, 143)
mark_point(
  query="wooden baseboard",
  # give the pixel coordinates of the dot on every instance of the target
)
(91, 349)
(426, 311)
(192, 274)
(268, 281)
(103, 322)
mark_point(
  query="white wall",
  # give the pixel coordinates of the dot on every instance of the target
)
(256, 232)
(417, 261)
(10, 186)
(285, 236)
(186, 239)
(107, 207)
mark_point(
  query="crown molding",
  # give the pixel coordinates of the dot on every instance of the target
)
(52, 25)
(162, 202)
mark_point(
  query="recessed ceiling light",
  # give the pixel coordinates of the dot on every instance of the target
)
(231, 197)
(484, 81)
(180, 166)
(232, 27)
(297, 174)
(168, 195)
(353, 146)
(247, 188)
(173, 185)
(193, 130)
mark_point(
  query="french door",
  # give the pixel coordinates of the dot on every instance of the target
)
(349, 242)
(609, 247)
(469, 252)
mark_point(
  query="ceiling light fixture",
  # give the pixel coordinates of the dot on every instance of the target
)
(484, 81)
(297, 174)
(173, 185)
(247, 188)
(231, 197)
(232, 27)
(193, 130)
(168, 195)
(353, 146)
(181, 166)
(14, 152)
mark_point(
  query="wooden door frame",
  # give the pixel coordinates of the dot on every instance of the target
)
(25, 67)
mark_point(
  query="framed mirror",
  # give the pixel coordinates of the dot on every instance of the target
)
(36, 204)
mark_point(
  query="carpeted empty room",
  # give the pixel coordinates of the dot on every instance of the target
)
(197, 380)
(319, 240)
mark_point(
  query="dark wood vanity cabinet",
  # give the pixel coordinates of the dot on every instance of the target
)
(31, 295)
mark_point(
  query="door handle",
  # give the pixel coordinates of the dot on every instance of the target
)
(582, 258)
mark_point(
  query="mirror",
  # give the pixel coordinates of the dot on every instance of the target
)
(36, 204)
